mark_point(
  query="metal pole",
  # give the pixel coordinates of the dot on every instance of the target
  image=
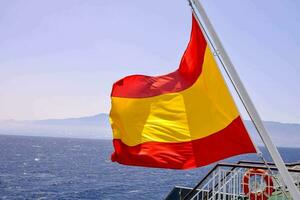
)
(247, 102)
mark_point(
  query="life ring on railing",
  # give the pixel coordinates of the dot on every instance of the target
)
(258, 195)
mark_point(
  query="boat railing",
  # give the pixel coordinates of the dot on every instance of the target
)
(244, 180)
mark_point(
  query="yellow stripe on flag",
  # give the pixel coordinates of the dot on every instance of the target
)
(199, 111)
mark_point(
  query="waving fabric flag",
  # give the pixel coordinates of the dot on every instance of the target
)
(181, 120)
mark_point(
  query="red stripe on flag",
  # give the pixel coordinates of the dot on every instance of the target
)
(232, 140)
(140, 86)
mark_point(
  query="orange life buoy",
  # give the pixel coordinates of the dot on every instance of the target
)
(261, 195)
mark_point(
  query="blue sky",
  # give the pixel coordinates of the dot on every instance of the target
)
(58, 59)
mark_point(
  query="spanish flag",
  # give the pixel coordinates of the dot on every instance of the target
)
(181, 120)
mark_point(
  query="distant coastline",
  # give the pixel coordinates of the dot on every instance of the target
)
(98, 127)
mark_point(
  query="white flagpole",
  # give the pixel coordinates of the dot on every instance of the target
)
(247, 102)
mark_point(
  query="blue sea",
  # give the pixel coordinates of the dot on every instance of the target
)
(61, 168)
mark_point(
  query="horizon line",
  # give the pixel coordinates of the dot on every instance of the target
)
(104, 113)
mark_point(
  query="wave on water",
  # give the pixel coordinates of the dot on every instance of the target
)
(60, 168)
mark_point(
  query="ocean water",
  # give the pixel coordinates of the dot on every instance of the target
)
(61, 168)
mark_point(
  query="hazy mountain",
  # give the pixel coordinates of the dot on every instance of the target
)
(96, 120)
(85, 127)
(283, 134)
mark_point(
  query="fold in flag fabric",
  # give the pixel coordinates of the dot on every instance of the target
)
(181, 120)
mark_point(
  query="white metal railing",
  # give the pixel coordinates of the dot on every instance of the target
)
(244, 183)
(246, 180)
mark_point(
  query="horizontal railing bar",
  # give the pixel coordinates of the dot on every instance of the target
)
(269, 163)
(252, 166)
